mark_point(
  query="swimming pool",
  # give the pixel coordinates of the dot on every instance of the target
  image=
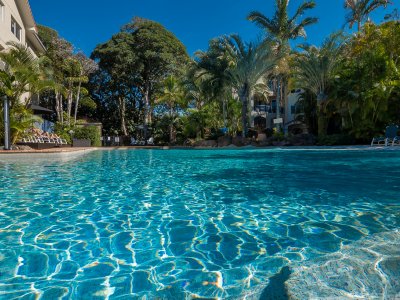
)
(181, 224)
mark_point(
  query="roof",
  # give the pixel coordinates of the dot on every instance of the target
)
(40, 109)
(30, 24)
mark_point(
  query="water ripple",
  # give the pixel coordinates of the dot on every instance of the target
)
(187, 224)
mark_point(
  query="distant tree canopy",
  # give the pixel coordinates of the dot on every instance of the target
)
(132, 66)
(69, 71)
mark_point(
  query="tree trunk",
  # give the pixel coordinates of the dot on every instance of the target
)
(171, 126)
(122, 109)
(69, 103)
(322, 126)
(62, 109)
(224, 111)
(147, 114)
(78, 97)
(59, 108)
(58, 112)
(244, 99)
(278, 102)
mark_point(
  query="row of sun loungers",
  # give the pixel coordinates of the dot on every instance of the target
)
(44, 139)
(390, 139)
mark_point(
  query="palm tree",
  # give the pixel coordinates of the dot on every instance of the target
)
(172, 97)
(210, 72)
(282, 28)
(21, 119)
(249, 66)
(23, 74)
(315, 69)
(361, 9)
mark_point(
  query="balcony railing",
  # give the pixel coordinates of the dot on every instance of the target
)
(263, 108)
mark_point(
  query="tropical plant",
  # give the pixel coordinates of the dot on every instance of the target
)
(210, 70)
(315, 70)
(132, 66)
(159, 54)
(23, 75)
(282, 28)
(359, 10)
(21, 119)
(367, 86)
(91, 133)
(249, 66)
(173, 97)
(59, 51)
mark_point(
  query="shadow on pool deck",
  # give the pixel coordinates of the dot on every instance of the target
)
(276, 289)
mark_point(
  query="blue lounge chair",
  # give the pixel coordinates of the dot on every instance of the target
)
(134, 142)
(390, 136)
(396, 141)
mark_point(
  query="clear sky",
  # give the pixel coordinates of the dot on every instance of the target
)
(87, 23)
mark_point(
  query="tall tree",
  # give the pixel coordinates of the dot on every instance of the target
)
(282, 28)
(367, 87)
(86, 67)
(58, 51)
(315, 70)
(359, 10)
(210, 70)
(23, 75)
(159, 54)
(173, 97)
(117, 74)
(136, 61)
(250, 64)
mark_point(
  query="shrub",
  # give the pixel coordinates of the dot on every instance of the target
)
(88, 133)
(63, 131)
(336, 140)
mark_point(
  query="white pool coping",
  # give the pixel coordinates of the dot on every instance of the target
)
(34, 156)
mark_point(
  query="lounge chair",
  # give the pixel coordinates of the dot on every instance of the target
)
(150, 141)
(134, 142)
(396, 141)
(390, 136)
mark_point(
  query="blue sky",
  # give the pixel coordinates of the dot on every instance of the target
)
(87, 23)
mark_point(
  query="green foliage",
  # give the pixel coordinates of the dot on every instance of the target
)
(23, 75)
(133, 65)
(88, 133)
(21, 119)
(335, 140)
(366, 87)
(63, 131)
(314, 70)
(278, 136)
(359, 10)
(88, 103)
(281, 27)
(194, 125)
(69, 72)
(173, 98)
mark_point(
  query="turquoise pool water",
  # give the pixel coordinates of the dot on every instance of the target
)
(182, 224)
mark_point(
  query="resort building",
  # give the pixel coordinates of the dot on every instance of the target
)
(264, 113)
(18, 25)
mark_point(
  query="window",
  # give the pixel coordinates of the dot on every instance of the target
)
(16, 29)
(2, 11)
(293, 109)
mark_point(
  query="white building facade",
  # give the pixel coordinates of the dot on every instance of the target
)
(264, 112)
(18, 25)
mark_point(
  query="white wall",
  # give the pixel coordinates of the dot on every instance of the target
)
(291, 101)
(10, 10)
